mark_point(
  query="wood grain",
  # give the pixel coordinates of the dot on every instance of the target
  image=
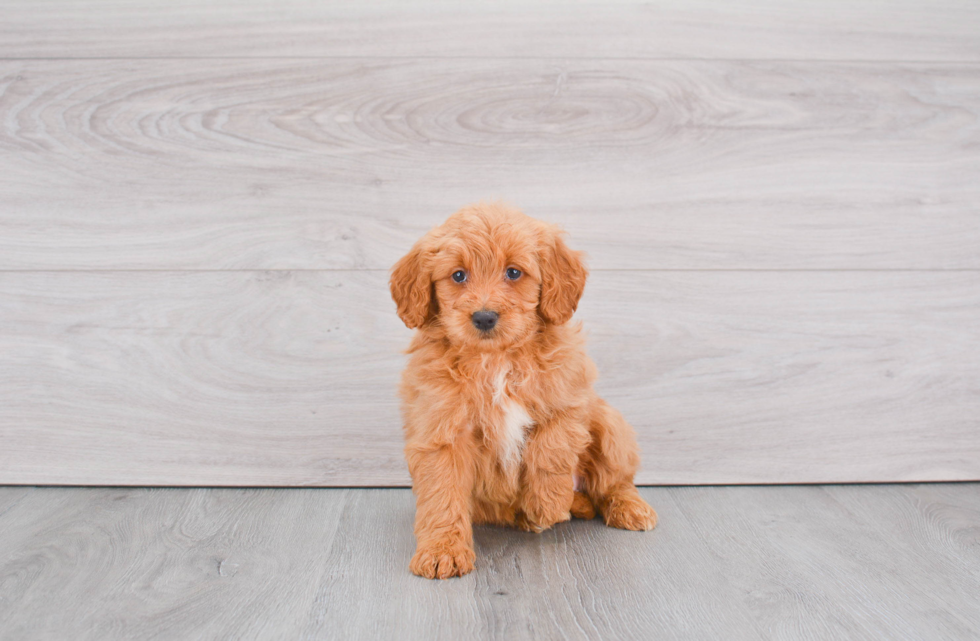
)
(200, 378)
(342, 164)
(10, 496)
(939, 522)
(289, 378)
(810, 29)
(200, 202)
(158, 564)
(823, 566)
(725, 562)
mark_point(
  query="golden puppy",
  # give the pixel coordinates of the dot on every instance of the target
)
(502, 425)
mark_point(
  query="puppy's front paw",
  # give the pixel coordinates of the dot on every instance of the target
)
(630, 513)
(442, 560)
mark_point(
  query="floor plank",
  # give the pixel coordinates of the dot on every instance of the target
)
(731, 562)
(161, 563)
(343, 164)
(10, 496)
(590, 594)
(809, 29)
(281, 378)
(935, 521)
(796, 562)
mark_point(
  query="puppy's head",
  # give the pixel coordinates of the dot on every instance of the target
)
(488, 277)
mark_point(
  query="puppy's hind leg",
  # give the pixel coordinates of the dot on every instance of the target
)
(582, 507)
(609, 466)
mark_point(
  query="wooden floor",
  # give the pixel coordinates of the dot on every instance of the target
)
(781, 562)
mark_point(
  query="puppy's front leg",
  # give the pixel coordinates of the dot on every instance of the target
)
(442, 479)
(550, 457)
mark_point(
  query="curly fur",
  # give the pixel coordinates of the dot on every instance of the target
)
(503, 427)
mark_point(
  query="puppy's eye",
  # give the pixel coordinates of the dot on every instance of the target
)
(459, 276)
(513, 273)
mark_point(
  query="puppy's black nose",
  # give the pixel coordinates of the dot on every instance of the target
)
(484, 320)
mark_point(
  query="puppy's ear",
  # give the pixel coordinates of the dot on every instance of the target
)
(411, 286)
(563, 275)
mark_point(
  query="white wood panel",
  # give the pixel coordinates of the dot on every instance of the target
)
(188, 164)
(288, 378)
(199, 144)
(808, 29)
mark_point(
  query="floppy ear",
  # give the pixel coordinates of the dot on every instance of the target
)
(411, 287)
(563, 275)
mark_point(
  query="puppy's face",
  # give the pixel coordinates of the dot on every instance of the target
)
(488, 277)
(486, 284)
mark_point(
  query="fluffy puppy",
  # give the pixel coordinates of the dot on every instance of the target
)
(502, 425)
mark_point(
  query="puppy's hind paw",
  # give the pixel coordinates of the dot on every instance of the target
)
(582, 507)
(630, 513)
(442, 561)
(539, 524)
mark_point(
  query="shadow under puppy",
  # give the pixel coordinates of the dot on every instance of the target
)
(502, 425)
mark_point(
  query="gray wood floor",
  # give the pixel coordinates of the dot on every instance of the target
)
(781, 562)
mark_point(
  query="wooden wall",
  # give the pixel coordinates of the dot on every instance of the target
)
(199, 204)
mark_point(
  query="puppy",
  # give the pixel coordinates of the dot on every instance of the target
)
(502, 425)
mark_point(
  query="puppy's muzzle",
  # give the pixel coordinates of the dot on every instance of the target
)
(484, 320)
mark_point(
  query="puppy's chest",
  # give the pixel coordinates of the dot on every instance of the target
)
(506, 420)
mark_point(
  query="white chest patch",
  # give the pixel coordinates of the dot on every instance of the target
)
(513, 427)
(512, 432)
